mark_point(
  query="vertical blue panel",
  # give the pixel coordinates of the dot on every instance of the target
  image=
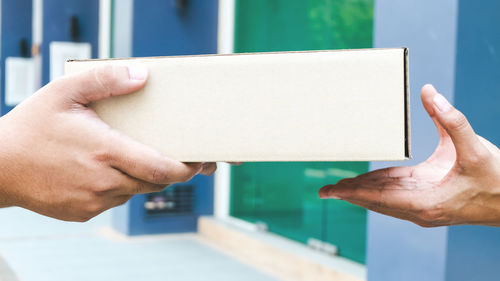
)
(56, 26)
(139, 222)
(474, 252)
(161, 28)
(399, 250)
(16, 25)
(477, 87)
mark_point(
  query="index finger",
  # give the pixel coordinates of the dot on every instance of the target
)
(145, 163)
(398, 194)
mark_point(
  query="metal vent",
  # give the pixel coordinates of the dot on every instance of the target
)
(174, 200)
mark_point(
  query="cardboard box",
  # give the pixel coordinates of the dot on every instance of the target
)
(347, 105)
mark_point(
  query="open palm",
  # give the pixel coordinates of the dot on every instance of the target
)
(458, 184)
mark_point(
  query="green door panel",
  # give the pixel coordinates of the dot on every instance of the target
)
(284, 196)
(293, 25)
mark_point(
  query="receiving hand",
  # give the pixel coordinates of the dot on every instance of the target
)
(458, 184)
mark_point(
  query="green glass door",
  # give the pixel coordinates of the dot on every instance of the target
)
(284, 195)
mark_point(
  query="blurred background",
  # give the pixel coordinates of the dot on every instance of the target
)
(257, 221)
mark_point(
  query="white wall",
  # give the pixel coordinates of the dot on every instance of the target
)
(104, 28)
(225, 46)
(122, 33)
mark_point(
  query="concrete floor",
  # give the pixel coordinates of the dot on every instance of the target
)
(39, 248)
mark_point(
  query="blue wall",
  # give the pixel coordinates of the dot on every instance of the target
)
(139, 222)
(56, 26)
(454, 44)
(159, 28)
(399, 250)
(477, 83)
(16, 25)
(473, 251)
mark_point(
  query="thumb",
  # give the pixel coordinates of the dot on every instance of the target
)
(465, 140)
(427, 96)
(103, 82)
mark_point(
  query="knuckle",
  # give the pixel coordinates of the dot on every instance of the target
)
(478, 158)
(159, 175)
(458, 121)
(102, 187)
(93, 209)
(140, 187)
(104, 77)
(103, 155)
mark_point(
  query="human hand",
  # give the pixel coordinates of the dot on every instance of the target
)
(458, 184)
(59, 159)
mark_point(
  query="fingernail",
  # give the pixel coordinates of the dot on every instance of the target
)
(324, 193)
(441, 103)
(429, 86)
(137, 72)
(330, 196)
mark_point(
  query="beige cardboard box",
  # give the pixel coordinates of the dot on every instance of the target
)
(348, 105)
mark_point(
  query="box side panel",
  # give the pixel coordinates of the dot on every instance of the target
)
(315, 106)
(407, 105)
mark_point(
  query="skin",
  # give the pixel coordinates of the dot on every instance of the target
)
(59, 159)
(458, 184)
